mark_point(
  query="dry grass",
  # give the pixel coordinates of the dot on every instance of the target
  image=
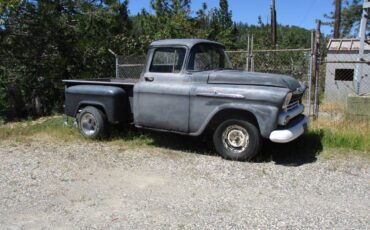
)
(335, 137)
(347, 133)
(332, 108)
(51, 127)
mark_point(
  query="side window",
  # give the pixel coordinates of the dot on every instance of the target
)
(167, 60)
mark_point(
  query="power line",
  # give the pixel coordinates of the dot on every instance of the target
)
(308, 11)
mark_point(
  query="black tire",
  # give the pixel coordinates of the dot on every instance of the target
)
(92, 123)
(237, 139)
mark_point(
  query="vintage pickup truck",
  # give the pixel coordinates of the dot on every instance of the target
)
(188, 86)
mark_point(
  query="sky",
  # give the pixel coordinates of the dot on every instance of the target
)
(301, 13)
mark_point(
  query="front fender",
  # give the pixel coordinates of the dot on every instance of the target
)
(266, 116)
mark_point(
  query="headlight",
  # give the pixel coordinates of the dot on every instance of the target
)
(287, 100)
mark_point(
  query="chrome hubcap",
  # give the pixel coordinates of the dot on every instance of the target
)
(235, 138)
(88, 124)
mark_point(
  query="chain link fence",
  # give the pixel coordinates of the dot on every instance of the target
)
(130, 66)
(293, 62)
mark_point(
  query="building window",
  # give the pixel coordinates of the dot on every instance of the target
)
(344, 74)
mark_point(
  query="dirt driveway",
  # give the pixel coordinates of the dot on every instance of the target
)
(48, 184)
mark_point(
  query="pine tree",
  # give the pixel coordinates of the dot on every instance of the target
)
(350, 17)
(224, 15)
(221, 24)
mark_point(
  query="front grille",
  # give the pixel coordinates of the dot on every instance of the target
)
(295, 100)
(293, 104)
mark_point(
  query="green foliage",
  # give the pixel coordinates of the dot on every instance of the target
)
(44, 42)
(3, 102)
(221, 25)
(287, 36)
(6, 5)
(171, 20)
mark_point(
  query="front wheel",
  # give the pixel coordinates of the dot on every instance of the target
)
(237, 139)
(92, 122)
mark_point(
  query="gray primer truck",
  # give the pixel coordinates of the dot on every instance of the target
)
(188, 86)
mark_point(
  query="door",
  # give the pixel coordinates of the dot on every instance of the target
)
(161, 98)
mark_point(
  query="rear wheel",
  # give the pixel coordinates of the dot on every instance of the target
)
(237, 139)
(92, 122)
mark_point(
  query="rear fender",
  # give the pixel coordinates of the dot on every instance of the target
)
(113, 101)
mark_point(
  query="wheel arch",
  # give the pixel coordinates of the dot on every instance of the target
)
(84, 104)
(263, 116)
(224, 114)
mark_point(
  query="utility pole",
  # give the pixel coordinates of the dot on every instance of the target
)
(338, 8)
(273, 23)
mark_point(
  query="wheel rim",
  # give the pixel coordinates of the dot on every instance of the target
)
(235, 138)
(88, 124)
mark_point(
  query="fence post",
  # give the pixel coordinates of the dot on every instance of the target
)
(117, 64)
(310, 70)
(117, 67)
(316, 66)
(247, 58)
(252, 56)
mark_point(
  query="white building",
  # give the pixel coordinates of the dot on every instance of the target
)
(341, 67)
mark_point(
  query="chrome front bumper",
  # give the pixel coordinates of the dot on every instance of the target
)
(286, 116)
(291, 132)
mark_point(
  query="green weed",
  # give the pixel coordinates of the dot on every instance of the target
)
(346, 134)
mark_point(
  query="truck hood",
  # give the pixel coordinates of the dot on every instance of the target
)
(236, 77)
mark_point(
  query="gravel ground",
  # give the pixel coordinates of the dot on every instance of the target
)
(101, 185)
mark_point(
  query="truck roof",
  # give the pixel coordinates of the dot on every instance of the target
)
(184, 42)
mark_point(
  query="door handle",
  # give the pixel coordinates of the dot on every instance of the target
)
(149, 78)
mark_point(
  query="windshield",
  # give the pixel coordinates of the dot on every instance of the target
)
(205, 57)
